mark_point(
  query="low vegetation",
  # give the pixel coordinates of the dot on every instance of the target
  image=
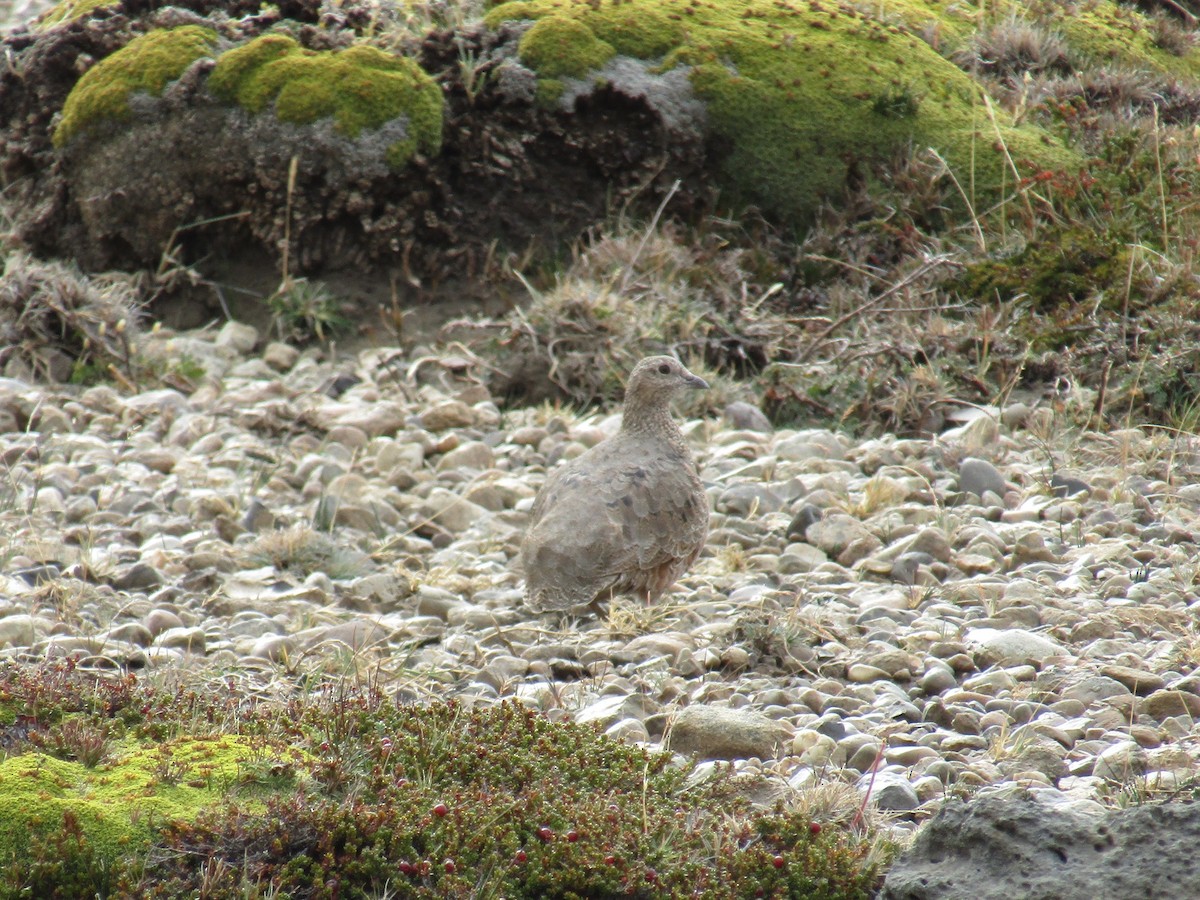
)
(110, 787)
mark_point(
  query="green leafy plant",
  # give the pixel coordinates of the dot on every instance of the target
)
(304, 309)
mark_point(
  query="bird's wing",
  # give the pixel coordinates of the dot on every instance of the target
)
(608, 515)
(661, 509)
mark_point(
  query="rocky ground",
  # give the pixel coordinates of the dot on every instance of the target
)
(1008, 608)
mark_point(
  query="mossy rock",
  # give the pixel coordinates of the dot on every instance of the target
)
(70, 10)
(359, 88)
(800, 95)
(146, 64)
(557, 46)
(119, 805)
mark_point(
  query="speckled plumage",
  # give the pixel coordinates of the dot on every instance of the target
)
(630, 515)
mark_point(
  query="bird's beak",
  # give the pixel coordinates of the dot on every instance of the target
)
(695, 381)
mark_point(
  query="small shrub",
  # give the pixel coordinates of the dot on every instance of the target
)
(633, 294)
(897, 103)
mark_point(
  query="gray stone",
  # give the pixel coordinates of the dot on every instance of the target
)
(746, 499)
(451, 414)
(137, 577)
(747, 417)
(976, 476)
(890, 791)
(1166, 703)
(257, 517)
(160, 620)
(237, 337)
(834, 533)
(471, 455)
(614, 708)
(715, 732)
(1045, 756)
(373, 419)
(1120, 762)
(279, 356)
(278, 648)
(20, 630)
(131, 633)
(1066, 486)
(1012, 646)
(805, 516)
(1092, 688)
(998, 848)
(189, 639)
(1137, 680)
(454, 513)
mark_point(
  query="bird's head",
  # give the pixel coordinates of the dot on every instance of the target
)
(663, 376)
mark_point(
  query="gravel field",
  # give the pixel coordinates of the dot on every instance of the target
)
(1010, 607)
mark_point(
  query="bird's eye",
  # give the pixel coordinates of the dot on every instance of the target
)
(664, 369)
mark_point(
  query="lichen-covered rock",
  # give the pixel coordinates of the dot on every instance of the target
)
(1025, 847)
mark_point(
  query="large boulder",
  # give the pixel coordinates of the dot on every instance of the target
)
(998, 848)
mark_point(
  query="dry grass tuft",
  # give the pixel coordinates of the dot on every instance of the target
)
(303, 551)
(59, 325)
(1014, 47)
(632, 294)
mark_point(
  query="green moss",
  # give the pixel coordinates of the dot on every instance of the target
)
(1110, 33)
(645, 34)
(556, 46)
(360, 88)
(118, 806)
(549, 91)
(796, 94)
(145, 64)
(230, 75)
(1071, 266)
(70, 10)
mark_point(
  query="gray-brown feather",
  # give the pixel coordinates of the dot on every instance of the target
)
(628, 516)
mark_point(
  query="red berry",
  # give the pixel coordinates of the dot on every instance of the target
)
(610, 860)
(572, 836)
(779, 862)
(651, 875)
(407, 868)
(520, 856)
(449, 866)
(441, 810)
(324, 746)
(545, 834)
(814, 828)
